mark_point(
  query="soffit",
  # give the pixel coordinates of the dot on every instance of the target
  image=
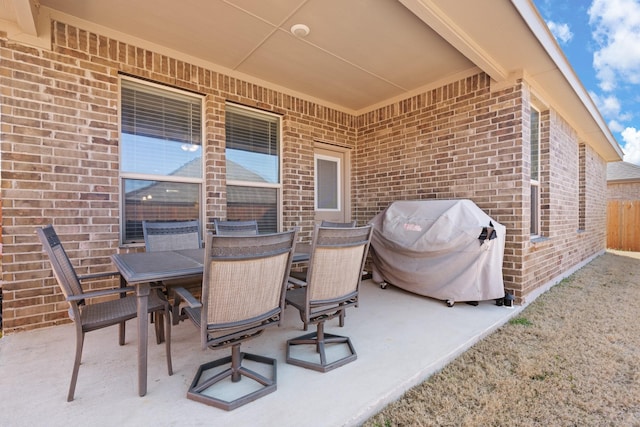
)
(359, 54)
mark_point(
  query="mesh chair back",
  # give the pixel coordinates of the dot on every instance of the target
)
(338, 224)
(174, 235)
(245, 278)
(235, 228)
(337, 258)
(63, 271)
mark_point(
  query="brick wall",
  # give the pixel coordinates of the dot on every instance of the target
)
(464, 140)
(459, 141)
(561, 245)
(60, 155)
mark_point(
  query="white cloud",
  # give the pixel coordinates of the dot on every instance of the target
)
(561, 32)
(611, 109)
(616, 30)
(631, 137)
(615, 126)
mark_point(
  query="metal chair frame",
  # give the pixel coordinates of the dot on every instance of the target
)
(94, 316)
(331, 286)
(243, 289)
(235, 228)
(173, 235)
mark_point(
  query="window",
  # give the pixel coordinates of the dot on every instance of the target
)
(253, 167)
(535, 172)
(327, 183)
(160, 156)
(582, 187)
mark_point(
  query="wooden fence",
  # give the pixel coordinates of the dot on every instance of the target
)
(623, 225)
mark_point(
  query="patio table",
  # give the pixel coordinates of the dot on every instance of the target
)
(139, 269)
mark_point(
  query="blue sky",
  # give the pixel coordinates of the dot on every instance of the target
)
(601, 39)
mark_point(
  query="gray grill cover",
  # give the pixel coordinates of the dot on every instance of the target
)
(434, 248)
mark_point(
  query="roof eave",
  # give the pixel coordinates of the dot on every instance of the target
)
(579, 109)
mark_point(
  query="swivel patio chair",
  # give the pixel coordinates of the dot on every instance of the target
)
(174, 235)
(235, 228)
(331, 286)
(97, 315)
(243, 287)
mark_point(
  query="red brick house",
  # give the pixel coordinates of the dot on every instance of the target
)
(291, 111)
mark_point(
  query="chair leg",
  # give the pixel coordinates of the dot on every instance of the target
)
(159, 326)
(320, 340)
(76, 364)
(236, 371)
(122, 333)
(175, 314)
(167, 339)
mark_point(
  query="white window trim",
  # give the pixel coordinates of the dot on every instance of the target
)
(278, 186)
(536, 183)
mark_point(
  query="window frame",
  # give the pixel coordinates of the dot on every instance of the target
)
(278, 186)
(123, 175)
(337, 181)
(534, 215)
(582, 187)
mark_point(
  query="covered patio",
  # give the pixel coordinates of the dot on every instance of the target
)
(401, 339)
(419, 99)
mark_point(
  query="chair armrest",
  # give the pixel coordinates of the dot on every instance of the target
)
(100, 293)
(297, 282)
(187, 297)
(99, 275)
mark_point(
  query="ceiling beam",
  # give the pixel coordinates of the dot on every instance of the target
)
(27, 15)
(435, 18)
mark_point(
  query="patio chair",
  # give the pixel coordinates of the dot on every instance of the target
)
(245, 278)
(97, 315)
(174, 235)
(338, 224)
(331, 286)
(235, 228)
(171, 235)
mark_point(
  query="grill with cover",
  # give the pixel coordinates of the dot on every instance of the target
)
(449, 250)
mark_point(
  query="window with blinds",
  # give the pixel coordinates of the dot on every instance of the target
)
(253, 166)
(160, 156)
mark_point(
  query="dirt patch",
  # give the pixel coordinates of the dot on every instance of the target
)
(572, 357)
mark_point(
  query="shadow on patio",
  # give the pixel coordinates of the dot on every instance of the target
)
(400, 338)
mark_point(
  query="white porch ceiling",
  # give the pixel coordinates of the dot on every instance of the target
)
(359, 54)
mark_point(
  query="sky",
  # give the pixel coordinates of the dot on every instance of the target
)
(601, 40)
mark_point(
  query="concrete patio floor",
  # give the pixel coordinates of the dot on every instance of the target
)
(401, 339)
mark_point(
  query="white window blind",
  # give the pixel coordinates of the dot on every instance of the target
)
(160, 156)
(253, 167)
(161, 131)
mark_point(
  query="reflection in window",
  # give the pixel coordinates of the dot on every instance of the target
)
(160, 156)
(535, 172)
(327, 185)
(158, 201)
(248, 203)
